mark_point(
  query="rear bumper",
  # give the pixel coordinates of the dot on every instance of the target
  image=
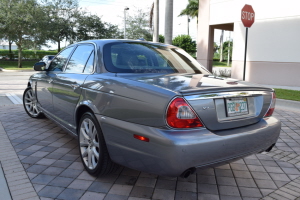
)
(170, 151)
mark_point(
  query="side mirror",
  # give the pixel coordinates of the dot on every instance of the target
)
(39, 66)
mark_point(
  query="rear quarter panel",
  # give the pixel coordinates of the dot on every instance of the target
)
(127, 100)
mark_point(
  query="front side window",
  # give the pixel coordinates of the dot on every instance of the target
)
(60, 60)
(79, 58)
(134, 57)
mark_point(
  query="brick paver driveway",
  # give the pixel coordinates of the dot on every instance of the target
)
(43, 162)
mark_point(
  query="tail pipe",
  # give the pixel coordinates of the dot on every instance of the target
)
(270, 148)
(188, 172)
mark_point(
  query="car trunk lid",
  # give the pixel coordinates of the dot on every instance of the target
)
(226, 110)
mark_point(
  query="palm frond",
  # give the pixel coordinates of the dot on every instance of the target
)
(191, 9)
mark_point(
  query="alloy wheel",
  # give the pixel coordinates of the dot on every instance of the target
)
(30, 103)
(89, 144)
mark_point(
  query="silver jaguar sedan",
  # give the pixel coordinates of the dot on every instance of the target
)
(150, 107)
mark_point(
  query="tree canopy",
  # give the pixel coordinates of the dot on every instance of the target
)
(91, 27)
(33, 23)
(137, 26)
(18, 23)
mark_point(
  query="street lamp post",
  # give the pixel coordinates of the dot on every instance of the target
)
(126, 8)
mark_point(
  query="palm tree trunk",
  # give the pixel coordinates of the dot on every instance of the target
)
(156, 21)
(169, 22)
(221, 46)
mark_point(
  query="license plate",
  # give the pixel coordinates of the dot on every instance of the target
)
(236, 106)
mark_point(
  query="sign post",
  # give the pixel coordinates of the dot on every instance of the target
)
(248, 17)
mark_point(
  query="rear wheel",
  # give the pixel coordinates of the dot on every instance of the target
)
(30, 104)
(92, 147)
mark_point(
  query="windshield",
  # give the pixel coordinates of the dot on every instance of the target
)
(134, 57)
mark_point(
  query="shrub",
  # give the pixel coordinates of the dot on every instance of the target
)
(222, 73)
(27, 54)
(186, 43)
(161, 39)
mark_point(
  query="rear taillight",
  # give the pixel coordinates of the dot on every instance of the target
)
(272, 106)
(181, 115)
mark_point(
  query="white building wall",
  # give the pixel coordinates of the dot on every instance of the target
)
(273, 40)
(4, 45)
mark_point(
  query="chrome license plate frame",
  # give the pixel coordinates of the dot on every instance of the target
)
(236, 106)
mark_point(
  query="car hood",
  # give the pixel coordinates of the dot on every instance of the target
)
(189, 83)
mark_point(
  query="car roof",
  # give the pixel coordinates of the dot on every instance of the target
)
(106, 41)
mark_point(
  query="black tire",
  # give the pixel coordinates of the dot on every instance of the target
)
(30, 104)
(95, 158)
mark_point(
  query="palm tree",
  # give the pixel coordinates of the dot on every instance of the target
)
(191, 9)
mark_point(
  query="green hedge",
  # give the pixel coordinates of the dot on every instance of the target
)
(28, 54)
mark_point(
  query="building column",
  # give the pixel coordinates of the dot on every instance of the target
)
(205, 38)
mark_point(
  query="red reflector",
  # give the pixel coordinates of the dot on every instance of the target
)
(181, 115)
(270, 112)
(142, 138)
(272, 106)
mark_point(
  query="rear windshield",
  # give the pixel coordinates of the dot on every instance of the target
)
(131, 57)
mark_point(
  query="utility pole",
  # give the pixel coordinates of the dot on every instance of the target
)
(156, 21)
(126, 8)
(169, 22)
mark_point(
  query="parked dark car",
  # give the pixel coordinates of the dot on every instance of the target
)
(47, 58)
(150, 107)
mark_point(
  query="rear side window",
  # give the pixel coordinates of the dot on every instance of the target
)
(89, 67)
(79, 58)
(135, 57)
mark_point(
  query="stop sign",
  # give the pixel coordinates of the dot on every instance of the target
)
(248, 16)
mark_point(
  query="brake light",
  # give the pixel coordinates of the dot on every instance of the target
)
(181, 115)
(272, 106)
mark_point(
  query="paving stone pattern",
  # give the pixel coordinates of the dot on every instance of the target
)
(52, 164)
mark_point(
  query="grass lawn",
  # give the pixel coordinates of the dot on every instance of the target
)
(13, 65)
(220, 64)
(287, 94)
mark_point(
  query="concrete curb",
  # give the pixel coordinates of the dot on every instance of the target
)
(5, 70)
(4, 191)
(288, 105)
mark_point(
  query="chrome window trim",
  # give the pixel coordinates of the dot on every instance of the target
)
(94, 63)
(222, 95)
(74, 46)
